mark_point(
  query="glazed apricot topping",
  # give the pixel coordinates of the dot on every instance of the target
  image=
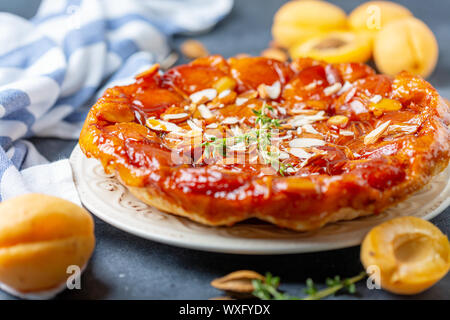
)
(290, 143)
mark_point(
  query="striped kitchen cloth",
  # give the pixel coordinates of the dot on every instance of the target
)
(52, 66)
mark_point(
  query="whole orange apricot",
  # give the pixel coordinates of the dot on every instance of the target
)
(372, 16)
(406, 44)
(297, 21)
(40, 237)
(410, 253)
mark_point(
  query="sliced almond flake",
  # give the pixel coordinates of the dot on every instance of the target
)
(402, 128)
(212, 125)
(194, 126)
(193, 133)
(304, 163)
(276, 137)
(283, 155)
(273, 91)
(207, 94)
(299, 153)
(301, 120)
(299, 130)
(310, 129)
(346, 133)
(238, 147)
(350, 94)
(311, 85)
(205, 112)
(291, 170)
(161, 125)
(306, 142)
(328, 91)
(376, 133)
(175, 116)
(236, 130)
(241, 101)
(230, 120)
(357, 106)
(347, 85)
(376, 98)
(224, 93)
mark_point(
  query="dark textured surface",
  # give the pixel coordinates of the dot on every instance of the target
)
(127, 267)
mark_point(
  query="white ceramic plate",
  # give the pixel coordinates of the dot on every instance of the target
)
(108, 199)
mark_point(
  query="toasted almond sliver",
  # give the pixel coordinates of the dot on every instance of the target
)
(236, 130)
(376, 133)
(346, 133)
(206, 94)
(311, 85)
(283, 155)
(212, 125)
(309, 128)
(205, 112)
(302, 119)
(230, 120)
(160, 125)
(194, 126)
(241, 101)
(338, 120)
(376, 98)
(299, 153)
(306, 142)
(291, 170)
(328, 91)
(347, 85)
(273, 91)
(224, 93)
(175, 116)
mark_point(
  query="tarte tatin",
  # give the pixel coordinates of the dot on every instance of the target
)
(296, 144)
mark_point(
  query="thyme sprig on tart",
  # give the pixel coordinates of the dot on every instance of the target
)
(260, 137)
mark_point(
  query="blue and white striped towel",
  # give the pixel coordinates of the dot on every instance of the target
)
(51, 66)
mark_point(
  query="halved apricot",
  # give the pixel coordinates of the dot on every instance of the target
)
(335, 47)
(411, 254)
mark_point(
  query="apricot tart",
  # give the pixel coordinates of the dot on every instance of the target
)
(296, 144)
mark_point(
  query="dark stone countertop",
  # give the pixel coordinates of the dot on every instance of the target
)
(127, 267)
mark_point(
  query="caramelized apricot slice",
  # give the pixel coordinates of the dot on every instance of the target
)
(192, 77)
(252, 71)
(335, 47)
(411, 254)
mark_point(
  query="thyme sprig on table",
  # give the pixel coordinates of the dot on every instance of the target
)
(268, 289)
(261, 135)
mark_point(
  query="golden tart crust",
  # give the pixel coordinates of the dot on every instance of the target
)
(349, 142)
